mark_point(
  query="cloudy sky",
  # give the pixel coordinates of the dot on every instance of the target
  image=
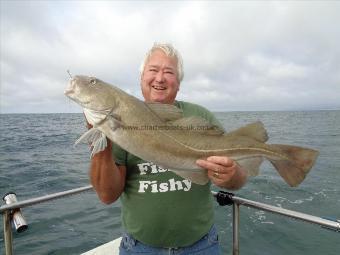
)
(238, 55)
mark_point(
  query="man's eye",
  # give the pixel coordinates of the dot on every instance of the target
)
(152, 70)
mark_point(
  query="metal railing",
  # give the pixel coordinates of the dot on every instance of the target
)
(223, 198)
(226, 198)
(9, 209)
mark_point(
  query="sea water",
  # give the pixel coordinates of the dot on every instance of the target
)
(37, 158)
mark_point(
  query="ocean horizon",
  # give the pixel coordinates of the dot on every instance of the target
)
(214, 111)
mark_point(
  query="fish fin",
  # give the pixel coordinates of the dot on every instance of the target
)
(199, 177)
(99, 144)
(94, 137)
(197, 124)
(165, 112)
(297, 165)
(114, 121)
(254, 130)
(95, 117)
(251, 165)
(89, 136)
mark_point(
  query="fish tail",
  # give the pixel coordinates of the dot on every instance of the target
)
(298, 162)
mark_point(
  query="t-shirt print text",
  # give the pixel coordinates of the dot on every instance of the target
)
(155, 186)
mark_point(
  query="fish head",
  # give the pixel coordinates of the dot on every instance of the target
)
(91, 93)
(97, 98)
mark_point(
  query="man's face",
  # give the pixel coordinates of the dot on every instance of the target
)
(159, 78)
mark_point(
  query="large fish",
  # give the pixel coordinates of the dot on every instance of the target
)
(160, 134)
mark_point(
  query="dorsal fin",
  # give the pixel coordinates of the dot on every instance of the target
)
(166, 112)
(196, 124)
(254, 130)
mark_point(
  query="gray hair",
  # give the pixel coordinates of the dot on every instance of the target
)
(170, 51)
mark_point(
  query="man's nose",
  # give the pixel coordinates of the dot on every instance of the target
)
(160, 76)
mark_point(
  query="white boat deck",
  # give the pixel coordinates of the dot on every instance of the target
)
(106, 249)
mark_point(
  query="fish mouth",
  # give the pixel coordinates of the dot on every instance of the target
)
(70, 87)
(68, 91)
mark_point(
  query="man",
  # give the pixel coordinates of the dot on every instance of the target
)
(161, 211)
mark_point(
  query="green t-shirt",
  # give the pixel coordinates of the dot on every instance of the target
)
(160, 208)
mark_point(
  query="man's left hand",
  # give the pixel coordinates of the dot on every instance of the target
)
(223, 172)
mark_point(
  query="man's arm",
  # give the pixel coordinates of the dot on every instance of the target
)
(107, 178)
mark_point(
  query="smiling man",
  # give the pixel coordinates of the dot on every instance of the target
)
(162, 212)
(159, 77)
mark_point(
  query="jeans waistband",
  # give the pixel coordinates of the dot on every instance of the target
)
(130, 241)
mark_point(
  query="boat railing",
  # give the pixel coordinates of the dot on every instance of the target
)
(13, 206)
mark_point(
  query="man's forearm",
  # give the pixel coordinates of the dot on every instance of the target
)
(106, 177)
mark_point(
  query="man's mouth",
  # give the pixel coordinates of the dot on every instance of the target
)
(158, 87)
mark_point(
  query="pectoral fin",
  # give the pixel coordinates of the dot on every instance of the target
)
(114, 121)
(99, 144)
(94, 137)
(89, 136)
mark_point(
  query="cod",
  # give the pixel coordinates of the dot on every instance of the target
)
(159, 133)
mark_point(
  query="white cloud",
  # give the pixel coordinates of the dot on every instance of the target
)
(275, 68)
(237, 55)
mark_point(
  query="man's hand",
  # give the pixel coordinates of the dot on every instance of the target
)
(224, 172)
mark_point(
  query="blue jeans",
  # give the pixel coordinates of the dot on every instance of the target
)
(207, 245)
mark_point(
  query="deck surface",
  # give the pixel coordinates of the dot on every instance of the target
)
(106, 249)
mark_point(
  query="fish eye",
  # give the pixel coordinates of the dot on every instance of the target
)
(93, 81)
